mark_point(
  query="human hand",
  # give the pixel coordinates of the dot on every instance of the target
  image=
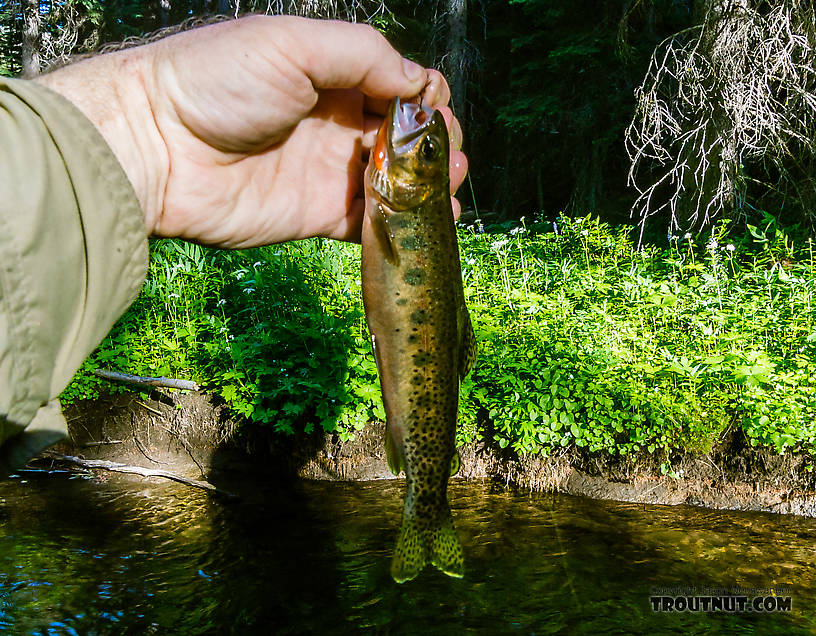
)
(252, 131)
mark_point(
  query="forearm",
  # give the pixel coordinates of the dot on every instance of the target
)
(110, 91)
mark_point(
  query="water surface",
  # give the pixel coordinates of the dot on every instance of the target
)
(120, 556)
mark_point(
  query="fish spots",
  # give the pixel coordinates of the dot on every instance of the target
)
(419, 317)
(412, 243)
(421, 358)
(415, 276)
(423, 400)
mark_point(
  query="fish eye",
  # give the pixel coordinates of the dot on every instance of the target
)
(429, 149)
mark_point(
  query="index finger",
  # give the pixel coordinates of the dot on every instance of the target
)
(336, 54)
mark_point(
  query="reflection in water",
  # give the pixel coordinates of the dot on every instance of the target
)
(120, 556)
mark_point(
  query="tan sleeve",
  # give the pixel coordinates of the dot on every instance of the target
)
(73, 255)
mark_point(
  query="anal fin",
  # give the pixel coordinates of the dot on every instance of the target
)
(394, 451)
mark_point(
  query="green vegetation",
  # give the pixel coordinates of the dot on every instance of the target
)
(588, 341)
(584, 339)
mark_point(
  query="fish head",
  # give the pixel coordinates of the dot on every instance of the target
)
(409, 161)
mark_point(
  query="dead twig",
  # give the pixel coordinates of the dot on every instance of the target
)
(149, 408)
(113, 441)
(137, 470)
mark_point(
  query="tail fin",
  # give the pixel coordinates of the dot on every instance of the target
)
(436, 543)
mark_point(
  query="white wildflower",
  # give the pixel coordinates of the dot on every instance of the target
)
(471, 261)
(221, 302)
(730, 247)
(584, 232)
(480, 228)
(257, 264)
(687, 236)
(497, 245)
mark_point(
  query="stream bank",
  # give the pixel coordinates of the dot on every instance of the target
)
(192, 435)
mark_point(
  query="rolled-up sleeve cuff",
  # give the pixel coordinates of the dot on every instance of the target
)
(73, 256)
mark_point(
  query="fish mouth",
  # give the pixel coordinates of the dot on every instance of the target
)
(406, 122)
(404, 125)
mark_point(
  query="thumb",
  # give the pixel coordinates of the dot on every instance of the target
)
(337, 54)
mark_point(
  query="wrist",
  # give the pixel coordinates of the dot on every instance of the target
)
(110, 91)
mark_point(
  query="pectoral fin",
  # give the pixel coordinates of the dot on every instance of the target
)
(394, 451)
(385, 238)
(467, 345)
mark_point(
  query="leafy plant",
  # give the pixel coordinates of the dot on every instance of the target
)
(584, 340)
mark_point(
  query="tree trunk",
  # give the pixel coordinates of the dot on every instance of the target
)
(455, 58)
(31, 38)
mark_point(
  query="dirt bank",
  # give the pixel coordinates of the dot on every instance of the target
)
(193, 436)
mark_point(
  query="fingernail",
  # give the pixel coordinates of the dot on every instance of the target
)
(413, 71)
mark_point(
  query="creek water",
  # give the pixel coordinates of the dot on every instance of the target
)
(113, 555)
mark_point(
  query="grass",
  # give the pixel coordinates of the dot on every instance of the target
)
(585, 340)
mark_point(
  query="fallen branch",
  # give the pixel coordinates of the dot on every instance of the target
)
(169, 383)
(116, 467)
(112, 441)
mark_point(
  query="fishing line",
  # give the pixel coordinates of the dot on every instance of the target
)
(467, 176)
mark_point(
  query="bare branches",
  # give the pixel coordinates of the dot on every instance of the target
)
(741, 87)
(351, 10)
(73, 30)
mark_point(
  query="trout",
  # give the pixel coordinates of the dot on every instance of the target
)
(421, 333)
